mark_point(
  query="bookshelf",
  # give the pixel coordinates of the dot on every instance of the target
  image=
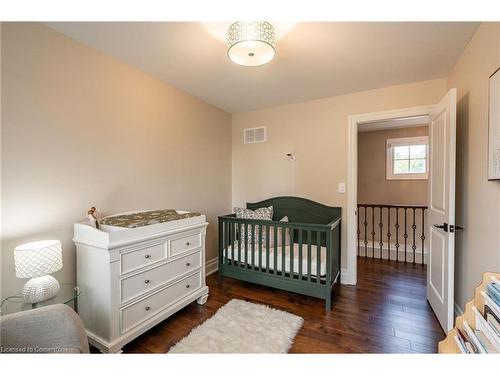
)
(472, 318)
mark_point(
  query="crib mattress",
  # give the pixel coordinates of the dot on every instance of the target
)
(296, 260)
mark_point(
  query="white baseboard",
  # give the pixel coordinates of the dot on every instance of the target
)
(211, 266)
(346, 277)
(409, 255)
(458, 310)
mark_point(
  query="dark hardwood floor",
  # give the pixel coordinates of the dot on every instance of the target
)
(386, 312)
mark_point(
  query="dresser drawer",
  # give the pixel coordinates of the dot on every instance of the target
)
(134, 286)
(140, 258)
(142, 310)
(184, 243)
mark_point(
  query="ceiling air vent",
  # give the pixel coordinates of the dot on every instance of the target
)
(255, 135)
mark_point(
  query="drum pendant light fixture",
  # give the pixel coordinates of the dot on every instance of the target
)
(251, 43)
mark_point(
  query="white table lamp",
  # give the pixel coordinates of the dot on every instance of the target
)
(37, 260)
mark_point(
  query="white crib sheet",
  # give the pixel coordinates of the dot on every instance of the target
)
(296, 260)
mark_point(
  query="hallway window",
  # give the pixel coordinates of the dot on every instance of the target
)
(407, 158)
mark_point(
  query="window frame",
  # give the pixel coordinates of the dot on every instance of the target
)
(391, 143)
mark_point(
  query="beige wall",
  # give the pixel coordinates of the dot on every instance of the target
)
(373, 187)
(80, 128)
(316, 131)
(478, 200)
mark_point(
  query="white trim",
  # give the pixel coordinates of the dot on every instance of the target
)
(346, 278)
(409, 176)
(398, 123)
(352, 173)
(211, 266)
(407, 141)
(385, 246)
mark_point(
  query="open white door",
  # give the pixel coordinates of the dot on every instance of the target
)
(441, 256)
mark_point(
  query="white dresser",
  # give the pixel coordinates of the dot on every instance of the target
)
(132, 279)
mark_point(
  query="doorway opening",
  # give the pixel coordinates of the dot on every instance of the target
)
(392, 188)
(439, 230)
(354, 123)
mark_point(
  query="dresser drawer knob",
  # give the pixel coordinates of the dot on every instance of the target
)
(146, 281)
(187, 286)
(188, 243)
(147, 256)
(188, 264)
(147, 308)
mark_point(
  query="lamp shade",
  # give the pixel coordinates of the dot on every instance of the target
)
(38, 258)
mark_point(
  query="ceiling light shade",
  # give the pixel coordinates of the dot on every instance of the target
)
(251, 43)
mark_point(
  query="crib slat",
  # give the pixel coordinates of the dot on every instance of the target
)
(292, 257)
(253, 246)
(221, 241)
(308, 255)
(300, 254)
(267, 249)
(318, 257)
(226, 240)
(329, 249)
(234, 232)
(239, 244)
(229, 243)
(260, 246)
(245, 256)
(275, 249)
(233, 243)
(283, 252)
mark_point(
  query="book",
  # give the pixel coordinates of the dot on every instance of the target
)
(487, 345)
(473, 337)
(496, 285)
(461, 344)
(468, 343)
(493, 291)
(492, 319)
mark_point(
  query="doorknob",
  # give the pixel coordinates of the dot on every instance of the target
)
(454, 228)
(444, 226)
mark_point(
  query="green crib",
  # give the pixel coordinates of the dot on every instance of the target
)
(301, 256)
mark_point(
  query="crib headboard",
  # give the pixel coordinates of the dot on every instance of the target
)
(299, 210)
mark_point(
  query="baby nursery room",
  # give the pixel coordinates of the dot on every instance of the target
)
(216, 180)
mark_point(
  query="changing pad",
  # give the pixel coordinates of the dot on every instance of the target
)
(143, 218)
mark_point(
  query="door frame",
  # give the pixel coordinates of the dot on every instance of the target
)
(350, 275)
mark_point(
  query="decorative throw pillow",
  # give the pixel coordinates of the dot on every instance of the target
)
(263, 213)
(279, 235)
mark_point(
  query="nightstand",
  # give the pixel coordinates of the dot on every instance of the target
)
(68, 295)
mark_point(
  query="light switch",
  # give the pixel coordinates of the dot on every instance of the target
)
(342, 187)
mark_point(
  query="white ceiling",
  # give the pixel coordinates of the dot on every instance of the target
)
(313, 60)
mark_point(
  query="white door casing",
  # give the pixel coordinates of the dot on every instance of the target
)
(349, 275)
(441, 223)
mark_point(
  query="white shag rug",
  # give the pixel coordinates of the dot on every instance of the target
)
(242, 327)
